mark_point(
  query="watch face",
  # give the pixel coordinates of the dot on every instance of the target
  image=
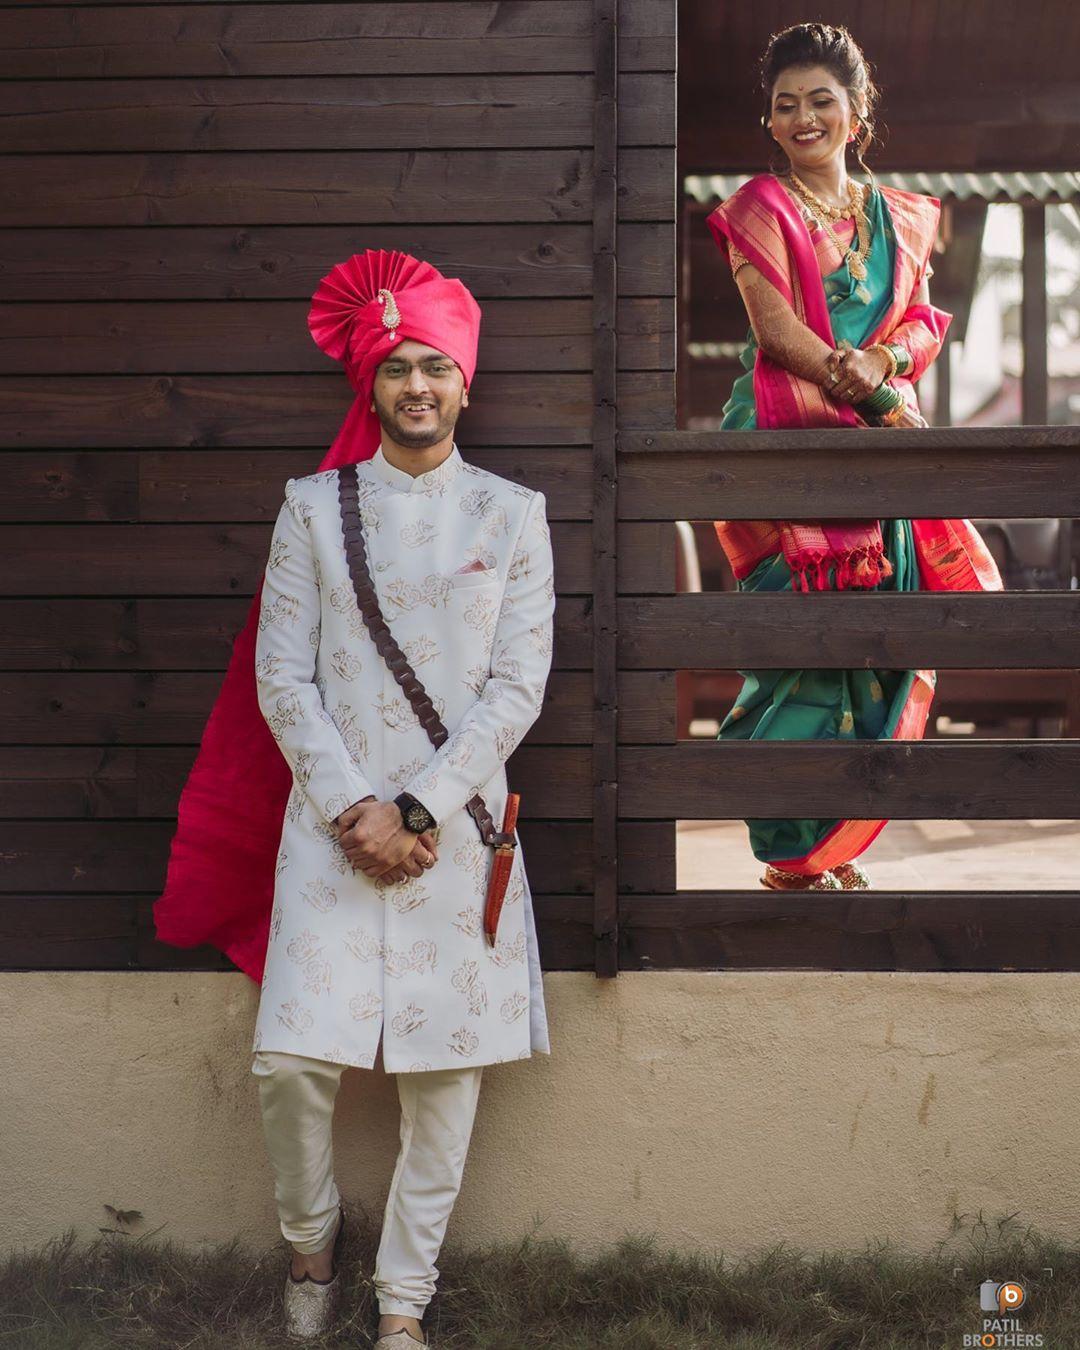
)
(416, 818)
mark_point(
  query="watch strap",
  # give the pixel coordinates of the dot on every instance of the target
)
(407, 804)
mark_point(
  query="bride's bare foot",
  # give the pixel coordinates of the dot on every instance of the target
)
(776, 879)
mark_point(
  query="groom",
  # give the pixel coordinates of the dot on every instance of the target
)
(377, 931)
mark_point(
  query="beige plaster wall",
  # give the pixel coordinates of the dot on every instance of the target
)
(719, 1110)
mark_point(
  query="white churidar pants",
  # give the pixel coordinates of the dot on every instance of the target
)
(438, 1107)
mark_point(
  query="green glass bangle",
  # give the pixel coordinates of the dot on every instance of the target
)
(884, 399)
(903, 359)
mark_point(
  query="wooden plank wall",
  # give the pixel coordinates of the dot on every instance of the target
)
(178, 177)
(1030, 471)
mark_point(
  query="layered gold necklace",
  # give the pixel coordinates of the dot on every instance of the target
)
(824, 215)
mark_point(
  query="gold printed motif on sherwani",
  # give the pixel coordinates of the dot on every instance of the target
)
(506, 668)
(407, 895)
(294, 807)
(542, 638)
(466, 980)
(279, 553)
(363, 1007)
(409, 1019)
(472, 857)
(519, 566)
(338, 860)
(469, 921)
(421, 650)
(295, 1017)
(464, 1042)
(306, 951)
(319, 895)
(284, 610)
(406, 772)
(505, 741)
(476, 677)
(417, 533)
(506, 953)
(267, 666)
(346, 664)
(481, 616)
(422, 956)
(362, 945)
(396, 713)
(481, 502)
(356, 741)
(433, 591)
(512, 1007)
(288, 711)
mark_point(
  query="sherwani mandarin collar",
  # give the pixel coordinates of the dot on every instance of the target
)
(435, 480)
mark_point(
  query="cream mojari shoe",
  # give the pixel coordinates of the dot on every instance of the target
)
(397, 1340)
(310, 1304)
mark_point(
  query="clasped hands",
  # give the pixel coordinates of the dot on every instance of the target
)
(377, 843)
(852, 375)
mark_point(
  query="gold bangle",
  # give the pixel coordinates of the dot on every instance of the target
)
(891, 356)
(894, 415)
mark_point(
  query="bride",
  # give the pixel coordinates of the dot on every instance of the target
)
(834, 274)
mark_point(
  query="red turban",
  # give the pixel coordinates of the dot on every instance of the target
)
(364, 307)
(219, 888)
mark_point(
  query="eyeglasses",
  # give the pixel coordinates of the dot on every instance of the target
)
(435, 368)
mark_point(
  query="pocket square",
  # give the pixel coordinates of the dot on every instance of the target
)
(475, 566)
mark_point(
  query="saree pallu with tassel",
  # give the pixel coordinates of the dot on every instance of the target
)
(764, 225)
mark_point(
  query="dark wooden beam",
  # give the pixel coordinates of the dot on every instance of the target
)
(855, 780)
(848, 630)
(956, 471)
(605, 786)
(1034, 387)
(324, 112)
(103, 781)
(853, 930)
(271, 336)
(102, 856)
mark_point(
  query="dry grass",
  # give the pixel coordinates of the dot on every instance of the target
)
(126, 1293)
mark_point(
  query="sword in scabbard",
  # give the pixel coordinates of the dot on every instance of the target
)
(501, 867)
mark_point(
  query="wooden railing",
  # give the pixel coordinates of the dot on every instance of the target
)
(1025, 472)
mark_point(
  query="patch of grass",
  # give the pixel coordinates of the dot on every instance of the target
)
(122, 1292)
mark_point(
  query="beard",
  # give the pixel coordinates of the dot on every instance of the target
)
(416, 438)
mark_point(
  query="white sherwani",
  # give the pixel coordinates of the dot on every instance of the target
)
(350, 958)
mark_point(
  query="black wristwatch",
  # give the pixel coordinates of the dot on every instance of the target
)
(414, 815)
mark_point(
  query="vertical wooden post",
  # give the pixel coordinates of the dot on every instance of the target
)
(943, 400)
(1033, 317)
(604, 503)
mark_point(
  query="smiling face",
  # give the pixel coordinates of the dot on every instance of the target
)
(418, 394)
(811, 116)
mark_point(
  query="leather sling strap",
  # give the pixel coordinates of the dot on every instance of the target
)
(396, 661)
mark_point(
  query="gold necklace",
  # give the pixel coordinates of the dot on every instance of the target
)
(823, 208)
(823, 214)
